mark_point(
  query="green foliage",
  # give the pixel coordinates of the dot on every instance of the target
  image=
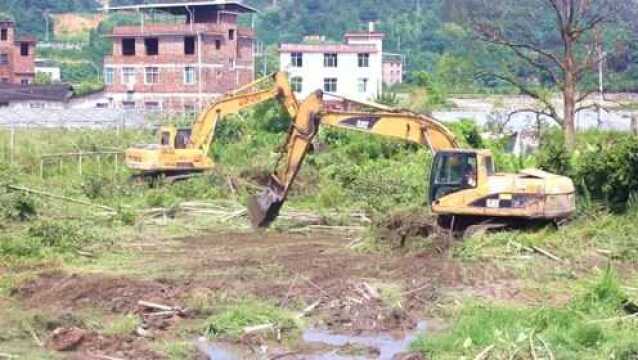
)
(45, 237)
(607, 169)
(469, 133)
(234, 317)
(42, 79)
(18, 206)
(85, 87)
(570, 331)
(387, 98)
(553, 156)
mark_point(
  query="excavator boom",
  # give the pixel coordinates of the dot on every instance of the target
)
(183, 152)
(203, 129)
(403, 125)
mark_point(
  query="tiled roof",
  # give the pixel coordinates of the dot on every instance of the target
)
(327, 48)
(61, 93)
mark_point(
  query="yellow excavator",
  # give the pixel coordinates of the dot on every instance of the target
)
(182, 153)
(463, 182)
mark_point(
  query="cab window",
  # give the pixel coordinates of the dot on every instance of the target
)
(449, 170)
(182, 138)
(165, 138)
(489, 166)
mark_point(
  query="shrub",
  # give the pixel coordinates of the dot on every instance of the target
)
(607, 171)
(61, 235)
(18, 206)
(552, 155)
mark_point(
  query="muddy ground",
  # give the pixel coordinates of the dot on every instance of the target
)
(290, 270)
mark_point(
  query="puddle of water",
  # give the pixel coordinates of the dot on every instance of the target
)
(387, 345)
(218, 351)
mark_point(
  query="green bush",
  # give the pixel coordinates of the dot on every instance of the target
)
(608, 171)
(552, 155)
(18, 206)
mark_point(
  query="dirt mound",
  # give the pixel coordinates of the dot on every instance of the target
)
(401, 227)
(118, 295)
(66, 339)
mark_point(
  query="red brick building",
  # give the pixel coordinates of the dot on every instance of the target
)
(17, 55)
(182, 65)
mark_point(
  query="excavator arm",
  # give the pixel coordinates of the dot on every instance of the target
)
(203, 129)
(407, 126)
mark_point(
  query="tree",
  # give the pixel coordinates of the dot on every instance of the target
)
(558, 41)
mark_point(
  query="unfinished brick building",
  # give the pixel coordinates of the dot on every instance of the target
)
(17, 58)
(181, 56)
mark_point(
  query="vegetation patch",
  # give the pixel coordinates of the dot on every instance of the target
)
(591, 326)
(234, 318)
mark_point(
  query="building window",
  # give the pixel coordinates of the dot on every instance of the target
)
(4, 35)
(189, 45)
(4, 59)
(152, 106)
(218, 44)
(152, 46)
(128, 105)
(24, 49)
(296, 59)
(231, 34)
(330, 85)
(330, 60)
(109, 74)
(189, 111)
(24, 82)
(36, 105)
(362, 85)
(128, 76)
(190, 75)
(296, 83)
(364, 60)
(128, 47)
(151, 76)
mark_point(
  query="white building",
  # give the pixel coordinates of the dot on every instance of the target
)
(353, 69)
(48, 67)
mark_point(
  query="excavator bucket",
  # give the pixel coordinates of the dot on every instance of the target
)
(264, 208)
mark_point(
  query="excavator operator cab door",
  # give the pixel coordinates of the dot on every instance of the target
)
(452, 172)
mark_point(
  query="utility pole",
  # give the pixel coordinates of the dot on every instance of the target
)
(601, 89)
(45, 15)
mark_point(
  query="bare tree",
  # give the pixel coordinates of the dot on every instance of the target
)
(568, 51)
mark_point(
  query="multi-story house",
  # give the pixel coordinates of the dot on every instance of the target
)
(179, 66)
(392, 69)
(17, 55)
(352, 69)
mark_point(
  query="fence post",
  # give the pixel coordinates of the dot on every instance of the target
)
(99, 165)
(12, 145)
(115, 163)
(634, 124)
(80, 163)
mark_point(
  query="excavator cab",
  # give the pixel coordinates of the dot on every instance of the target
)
(453, 171)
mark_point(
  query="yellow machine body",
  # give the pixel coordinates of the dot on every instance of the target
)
(185, 151)
(462, 182)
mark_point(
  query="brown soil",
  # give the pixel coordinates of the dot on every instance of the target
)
(286, 269)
